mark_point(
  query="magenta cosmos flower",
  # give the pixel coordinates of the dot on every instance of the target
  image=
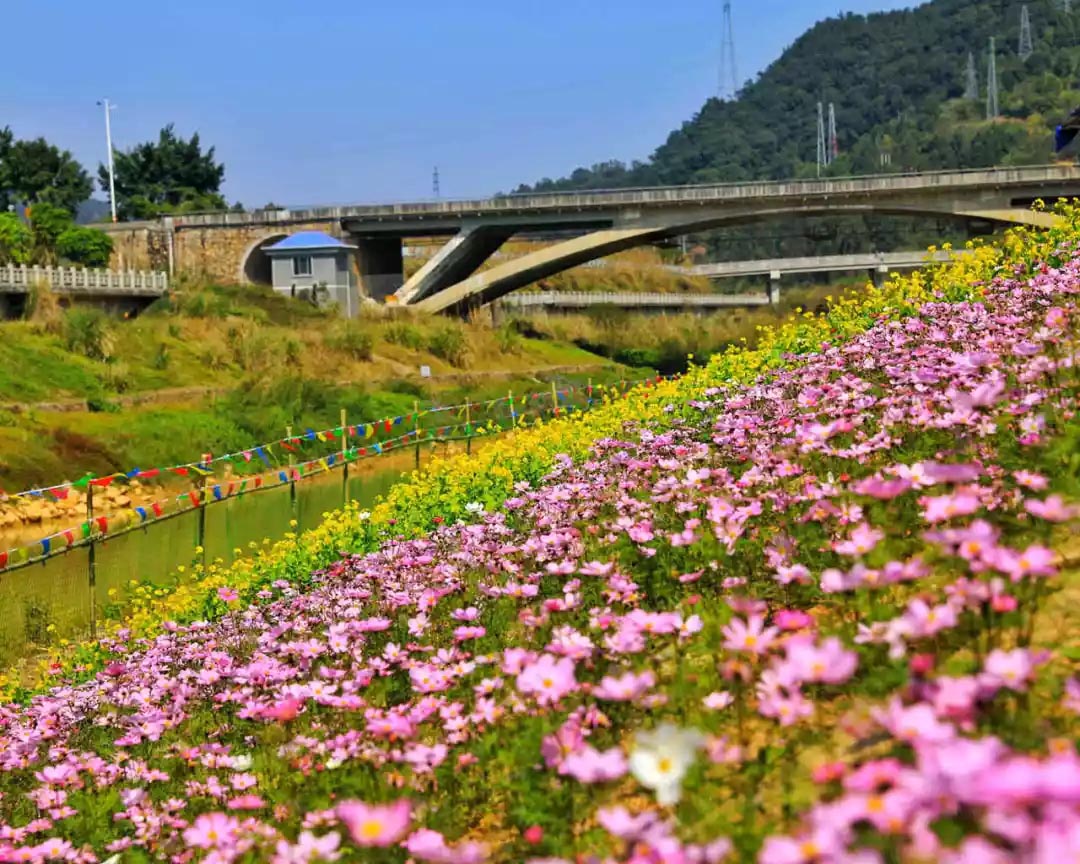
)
(375, 824)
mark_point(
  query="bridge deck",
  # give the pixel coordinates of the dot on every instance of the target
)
(662, 196)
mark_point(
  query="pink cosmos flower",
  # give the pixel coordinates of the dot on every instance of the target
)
(548, 679)
(863, 539)
(718, 700)
(308, 848)
(1053, 509)
(375, 824)
(626, 688)
(943, 507)
(792, 619)
(589, 765)
(211, 831)
(751, 635)
(427, 845)
(1011, 669)
(228, 594)
(618, 822)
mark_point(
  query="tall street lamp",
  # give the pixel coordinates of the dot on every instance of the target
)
(108, 144)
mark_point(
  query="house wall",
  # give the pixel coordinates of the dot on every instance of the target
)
(330, 270)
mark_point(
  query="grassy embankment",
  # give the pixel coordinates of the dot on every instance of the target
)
(222, 368)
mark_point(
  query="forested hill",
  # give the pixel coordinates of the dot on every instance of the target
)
(897, 80)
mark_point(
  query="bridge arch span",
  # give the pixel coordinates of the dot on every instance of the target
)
(255, 263)
(490, 285)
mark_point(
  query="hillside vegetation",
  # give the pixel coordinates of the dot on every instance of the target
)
(897, 80)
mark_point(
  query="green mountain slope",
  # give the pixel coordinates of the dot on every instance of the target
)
(897, 81)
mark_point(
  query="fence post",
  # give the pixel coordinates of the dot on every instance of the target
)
(202, 485)
(554, 399)
(92, 565)
(416, 431)
(513, 410)
(468, 427)
(588, 394)
(292, 476)
(344, 458)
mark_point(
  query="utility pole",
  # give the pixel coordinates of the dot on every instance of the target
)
(834, 143)
(1027, 46)
(729, 75)
(108, 144)
(435, 183)
(971, 83)
(1066, 6)
(822, 156)
(992, 83)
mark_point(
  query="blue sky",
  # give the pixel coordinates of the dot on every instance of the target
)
(359, 102)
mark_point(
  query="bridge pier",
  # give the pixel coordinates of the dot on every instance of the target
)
(380, 266)
(774, 288)
(458, 259)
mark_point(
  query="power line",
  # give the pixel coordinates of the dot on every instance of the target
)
(971, 78)
(1026, 47)
(729, 75)
(992, 83)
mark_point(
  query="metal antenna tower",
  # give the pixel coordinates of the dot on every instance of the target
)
(834, 144)
(729, 75)
(435, 183)
(1026, 47)
(971, 79)
(822, 155)
(992, 83)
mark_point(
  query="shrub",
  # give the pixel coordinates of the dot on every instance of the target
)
(405, 335)
(89, 332)
(16, 240)
(47, 223)
(87, 246)
(43, 309)
(508, 339)
(352, 338)
(448, 342)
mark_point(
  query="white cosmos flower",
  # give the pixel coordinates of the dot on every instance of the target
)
(474, 507)
(661, 757)
(363, 515)
(241, 763)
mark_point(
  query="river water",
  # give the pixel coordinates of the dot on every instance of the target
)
(42, 603)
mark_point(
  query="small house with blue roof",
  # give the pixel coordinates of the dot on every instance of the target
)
(317, 266)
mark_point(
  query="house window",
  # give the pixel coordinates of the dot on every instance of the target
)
(301, 265)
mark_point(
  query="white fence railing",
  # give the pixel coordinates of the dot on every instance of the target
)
(18, 278)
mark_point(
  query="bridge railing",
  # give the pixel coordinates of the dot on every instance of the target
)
(18, 278)
(567, 299)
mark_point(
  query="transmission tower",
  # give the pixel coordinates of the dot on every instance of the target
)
(822, 154)
(971, 79)
(729, 75)
(992, 83)
(1026, 47)
(834, 144)
(435, 191)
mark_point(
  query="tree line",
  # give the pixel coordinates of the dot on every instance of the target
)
(43, 186)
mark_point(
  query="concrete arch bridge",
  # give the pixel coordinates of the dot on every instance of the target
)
(227, 245)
